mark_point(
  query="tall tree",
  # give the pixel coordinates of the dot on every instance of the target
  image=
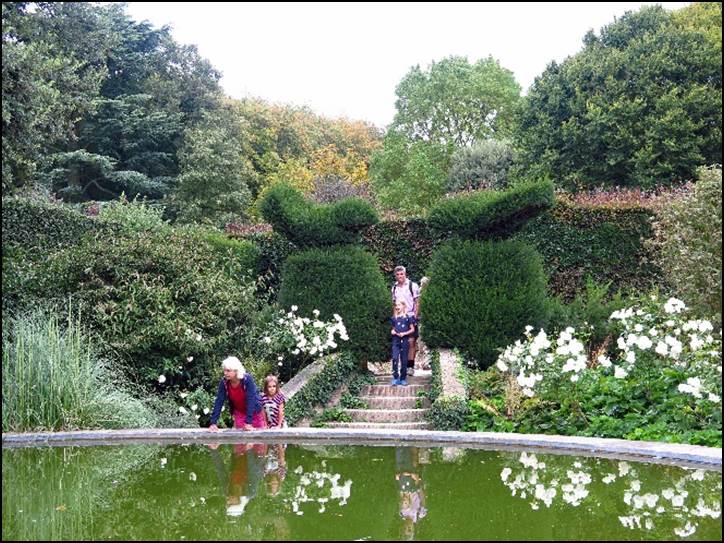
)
(52, 71)
(456, 102)
(640, 105)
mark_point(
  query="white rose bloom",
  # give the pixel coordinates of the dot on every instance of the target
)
(182, 410)
(501, 365)
(604, 361)
(662, 348)
(644, 343)
(620, 373)
(162, 379)
(294, 307)
(714, 398)
(630, 357)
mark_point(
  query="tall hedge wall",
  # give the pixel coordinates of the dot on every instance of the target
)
(603, 242)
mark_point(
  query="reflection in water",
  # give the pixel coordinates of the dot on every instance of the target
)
(411, 489)
(693, 495)
(232, 492)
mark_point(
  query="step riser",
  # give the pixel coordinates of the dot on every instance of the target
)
(398, 426)
(393, 391)
(386, 415)
(381, 402)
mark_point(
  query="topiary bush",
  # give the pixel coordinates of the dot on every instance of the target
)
(346, 281)
(308, 224)
(491, 212)
(480, 295)
(32, 225)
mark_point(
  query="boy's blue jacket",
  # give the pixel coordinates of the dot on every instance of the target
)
(253, 403)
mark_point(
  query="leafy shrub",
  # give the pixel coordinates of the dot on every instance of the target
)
(479, 294)
(344, 281)
(488, 212)
(165, 303)
(293, 341)
(331, 188)
(311, 224)
(663, 381)
(485, 165)
(246, 255)
(133, 216)
(688, 241)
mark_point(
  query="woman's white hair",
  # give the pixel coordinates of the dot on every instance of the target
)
(234, 364)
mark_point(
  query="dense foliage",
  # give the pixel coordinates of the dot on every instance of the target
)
(507, 276)
(687, 243)
(347, 282)
(640, 105)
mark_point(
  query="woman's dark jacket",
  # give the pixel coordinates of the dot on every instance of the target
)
(253, 402)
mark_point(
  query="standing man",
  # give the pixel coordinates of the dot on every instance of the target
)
(409, 292)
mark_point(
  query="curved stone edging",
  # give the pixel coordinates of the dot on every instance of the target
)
(646, 451)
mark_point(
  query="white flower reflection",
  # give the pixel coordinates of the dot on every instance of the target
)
(679, 499)
(319, 487)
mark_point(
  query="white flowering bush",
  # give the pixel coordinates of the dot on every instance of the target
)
(661, 378)
(656, 336)
(295, 340)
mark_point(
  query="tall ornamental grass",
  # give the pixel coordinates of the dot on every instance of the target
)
(53, 379)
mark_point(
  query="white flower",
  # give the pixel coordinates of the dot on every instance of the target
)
(620, 373)
(182, 410)
(183, 394)
(315, 312)
(644, 343)
(714, 398)
(501, 365)
(194, 407)
(630, 357)
(192, 476)
(206, 410)
(267, 340)
(294, 307)
(604, 361)
(674, 306)
(662, 348)
(161, 379)
(190, 359)
(295, 352)
(198, 337)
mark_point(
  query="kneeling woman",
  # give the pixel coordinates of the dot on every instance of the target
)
(244, 403)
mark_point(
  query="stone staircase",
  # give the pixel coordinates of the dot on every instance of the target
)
(391, 407)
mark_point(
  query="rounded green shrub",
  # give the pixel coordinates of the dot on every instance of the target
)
(346, 281)
(481, 296)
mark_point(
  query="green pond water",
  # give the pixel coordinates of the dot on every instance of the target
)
(234, 492)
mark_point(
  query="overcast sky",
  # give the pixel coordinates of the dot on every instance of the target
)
(346, 59)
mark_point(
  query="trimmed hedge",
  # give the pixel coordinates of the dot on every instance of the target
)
(407, 243)
(309, 224)
(490, 213)
(346, 281)
(33, 225)
(481, 295)
(604, 243)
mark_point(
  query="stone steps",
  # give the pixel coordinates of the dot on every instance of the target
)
(393, 391)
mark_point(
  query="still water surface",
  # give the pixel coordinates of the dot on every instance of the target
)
(236, 492)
